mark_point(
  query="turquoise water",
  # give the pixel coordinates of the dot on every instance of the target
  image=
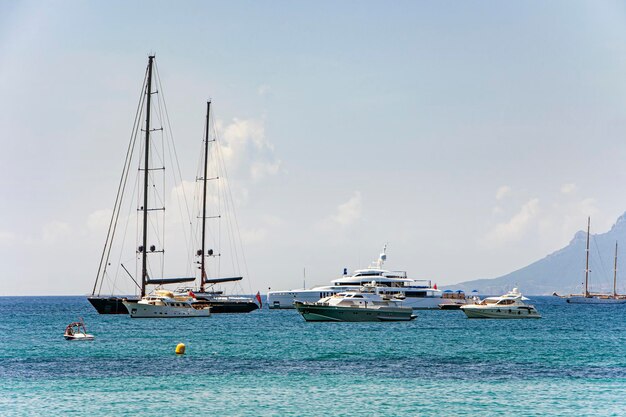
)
(573, 361)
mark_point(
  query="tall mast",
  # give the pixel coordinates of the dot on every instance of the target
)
(144, 249)
(615, 274)
(204, 180)
(587, 265)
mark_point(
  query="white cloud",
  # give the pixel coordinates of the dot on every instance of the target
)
(349, 212)
(55, 231)
(345, 215)
(503, 192)
(7, 238)
(244, 144)
(99, 220)
(568, 188)
(517, 225)
(259, 170)
(264, 90)
(253, 236)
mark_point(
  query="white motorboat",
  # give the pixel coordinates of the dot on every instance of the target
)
(418, 294)
(508, 306)
(77, 331)
(163, 304)
(367, 304)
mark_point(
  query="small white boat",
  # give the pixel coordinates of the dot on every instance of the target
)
(163, 304)
(364, 305)
(77, 331)
(508, 306)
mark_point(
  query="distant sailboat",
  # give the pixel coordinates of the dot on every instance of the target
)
(219, 302)
(588, 297)
(114, 304)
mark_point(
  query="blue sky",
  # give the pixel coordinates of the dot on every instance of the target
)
(473, 137)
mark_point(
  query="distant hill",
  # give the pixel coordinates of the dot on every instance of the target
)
(564, 270)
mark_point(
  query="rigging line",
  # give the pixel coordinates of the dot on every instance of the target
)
(157, 157)
(133, 145)
(601, 263)
(131, 204)
(120, 190)
(175, 153)
(130, 210)
(243, 256)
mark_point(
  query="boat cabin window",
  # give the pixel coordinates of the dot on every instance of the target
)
(368, 273)
(415, 294)
(357, 296)
(505, 302)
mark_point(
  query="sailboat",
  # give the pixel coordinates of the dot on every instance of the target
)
(116, 304)
(219, 302)
(588, 297)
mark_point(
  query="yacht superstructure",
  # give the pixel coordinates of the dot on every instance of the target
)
(164, 304)
(417, 294)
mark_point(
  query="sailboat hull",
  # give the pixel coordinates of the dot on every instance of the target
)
(232, 306)
(594, 300)
(108, 305)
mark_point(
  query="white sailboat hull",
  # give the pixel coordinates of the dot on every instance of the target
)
(580, 299)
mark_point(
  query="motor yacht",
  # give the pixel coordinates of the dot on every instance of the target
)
(367, 304)
(508, 306)
(163, 304)
(417, 294)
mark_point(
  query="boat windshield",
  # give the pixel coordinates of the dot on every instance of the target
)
(506, 302)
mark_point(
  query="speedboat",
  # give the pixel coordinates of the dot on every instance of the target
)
(77, 331)
(418, 294)
(367, 304)
(508, 306)
(163, 304)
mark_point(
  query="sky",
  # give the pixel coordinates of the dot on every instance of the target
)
(472, 138)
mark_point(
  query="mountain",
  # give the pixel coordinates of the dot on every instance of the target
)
(564, 270)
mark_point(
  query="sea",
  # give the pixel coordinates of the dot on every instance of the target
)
(273, 363)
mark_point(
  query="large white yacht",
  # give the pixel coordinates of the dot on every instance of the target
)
(163, 304)
(417, 294)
